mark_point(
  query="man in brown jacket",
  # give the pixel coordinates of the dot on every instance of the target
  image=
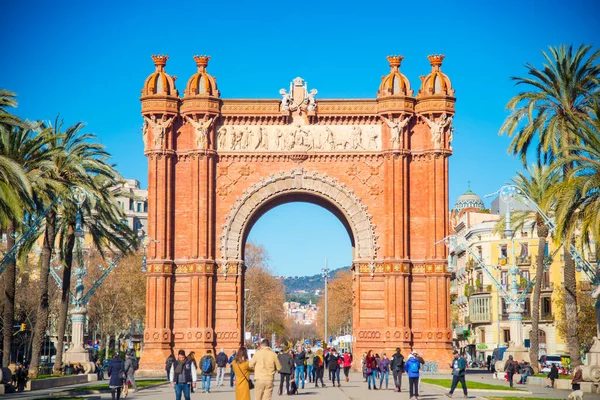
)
(265, 363)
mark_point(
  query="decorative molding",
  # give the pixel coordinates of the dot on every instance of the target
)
(299, 181)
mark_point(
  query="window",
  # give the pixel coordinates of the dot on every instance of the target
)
(541, 336)
(479, 252)
(130, 205)
(139, 207)
(525, 274)
(527, 307)
(506, 335)
(504, 278)
(479, 309)
(546, 308)
(145, 206)
(482, 335)
(546, 282)
(503, 251)
(504, 311)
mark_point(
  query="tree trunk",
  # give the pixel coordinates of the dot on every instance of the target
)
(534, 352)
(106, 347)
(65, 297)
(9, 296)
(571, 307)
(39, 332)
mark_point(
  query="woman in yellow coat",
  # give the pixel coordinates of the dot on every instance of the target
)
(241, 369)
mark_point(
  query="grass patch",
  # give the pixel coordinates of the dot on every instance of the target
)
(515, 398)
(447, 383)
(542, 375)
(105, 386)
(45, 377)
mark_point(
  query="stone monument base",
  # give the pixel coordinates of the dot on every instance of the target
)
(519, 354)
(591, 371)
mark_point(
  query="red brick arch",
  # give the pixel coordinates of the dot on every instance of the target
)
(215, 165)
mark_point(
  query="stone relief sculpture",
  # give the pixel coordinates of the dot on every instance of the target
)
(200, 131)
(312, 105)
(299, 137)
(145, 133)
(286, 99)
(437, 128)
(159, 128)
(397, 128)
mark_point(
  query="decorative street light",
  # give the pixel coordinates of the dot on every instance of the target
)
(325, 273)
(245, 316)
(145, 241)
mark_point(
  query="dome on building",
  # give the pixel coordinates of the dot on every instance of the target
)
(394, 84)
(201, 83)
(436, 83)
(160, 83)
(468, 200)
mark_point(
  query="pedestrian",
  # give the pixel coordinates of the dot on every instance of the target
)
(241, 369)
(377, 358)
(293, 387)
(384, 371)
(397, 367)
(231, 372)
(131, 365)
(526, 371)
(511, 369)
(347, 365)
(192, 357)
(116, 373)
(168, 363)
(265, 364)
(207, 365)
(182, 375)
(299, 362)
(371, 364)
(489, 362)
(577, 379)
(363, 366)
(287, 363)
(310, 370)
(221, 364)
(21, 374)
(319, 368)
(333, 363)
(459, 367)
(99, 371)
(552, 376)
(412, 368)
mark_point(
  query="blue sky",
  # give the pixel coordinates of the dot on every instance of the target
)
(87, 62)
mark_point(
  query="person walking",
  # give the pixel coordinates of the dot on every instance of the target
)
(287, 363)
(130, 368)
(384, 371)
(310, 360)
(183, 375)
(552, 376)
(231, 372)
(299, 363)
(207, 364)
(412, 368)
(265, 363)
(511, 369)
(363, 366)
(221, 364)
(347, 363)
(333, 364)
(116, 372)
(397, 366)
(241, 369)
(459, 368)
(371, 364)
(168, 363)
(489, 362)
(99, 370)
(319, 368)
(577, 379)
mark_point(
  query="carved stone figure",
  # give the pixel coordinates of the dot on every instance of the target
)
(222, 137)
(245, 137)
(397, 128)
(312, 105)
(356, 137)
(373, 136)
(159, 128)
(437, 129)
(263, 139)
(200, 131)
(279, 144)
(286, 100)
(329, 140)
(236, 139)
(145, 134)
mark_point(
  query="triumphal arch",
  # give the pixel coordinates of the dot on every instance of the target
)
(215, 165)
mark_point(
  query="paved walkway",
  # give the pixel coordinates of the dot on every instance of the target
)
(354, 390)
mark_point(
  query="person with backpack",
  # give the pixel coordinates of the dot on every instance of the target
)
(371, 367)
(319, 365)
(334, 367)
(511, 369)
(221, 364)
(397, 367)
(168, 363)
(207, 365)
(412, 368)
(459, 368)
(131, 365)
(182, 375)
(347, 363)
(231, 372)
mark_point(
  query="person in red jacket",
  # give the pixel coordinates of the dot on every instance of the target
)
(347, 365)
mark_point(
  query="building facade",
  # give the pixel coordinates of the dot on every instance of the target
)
(134, 203)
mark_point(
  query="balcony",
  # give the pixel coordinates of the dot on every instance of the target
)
(546, 317)
(547, 286)
(503, 260)
(526, 260)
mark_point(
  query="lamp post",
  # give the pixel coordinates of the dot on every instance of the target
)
(325, 273)
(145, 241)
(245, 316)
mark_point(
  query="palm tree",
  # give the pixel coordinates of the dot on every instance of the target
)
(83, 163)
(539, 184)
(25, 147)
(557, 96)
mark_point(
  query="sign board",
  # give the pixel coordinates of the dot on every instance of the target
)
(330, 339)
(318, 344)
(248, 335)
(96, 347)
(307, 341)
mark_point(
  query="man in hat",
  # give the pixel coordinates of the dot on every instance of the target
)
(459, 367)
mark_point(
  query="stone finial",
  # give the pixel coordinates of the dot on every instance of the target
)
(160, 61)
(436, 61)
(202, 62)
(395, 61)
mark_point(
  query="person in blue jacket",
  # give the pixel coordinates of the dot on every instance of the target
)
(412, 366)
(231, 374)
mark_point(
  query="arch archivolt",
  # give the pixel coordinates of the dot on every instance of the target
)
(302, 182)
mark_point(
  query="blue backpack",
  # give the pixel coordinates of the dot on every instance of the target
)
(206, 365)
(413, 366)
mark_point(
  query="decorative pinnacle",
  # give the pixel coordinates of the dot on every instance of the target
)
(436, 59)
(395, 61)
(201, 62)
(159, 60)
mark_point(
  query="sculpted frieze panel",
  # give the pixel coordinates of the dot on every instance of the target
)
(298, 138)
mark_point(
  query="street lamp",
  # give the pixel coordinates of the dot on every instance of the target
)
(325, 273)
(145, 241)
(245, 303)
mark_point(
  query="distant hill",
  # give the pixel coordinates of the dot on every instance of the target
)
(302, 288)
